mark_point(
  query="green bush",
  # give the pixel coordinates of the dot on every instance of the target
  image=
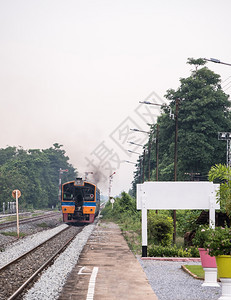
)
(160, 229)
(124, 209)
(172, 251)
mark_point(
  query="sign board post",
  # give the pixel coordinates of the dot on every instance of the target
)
(16, 194)
(175, 195)
(144, 228)
(112, 200)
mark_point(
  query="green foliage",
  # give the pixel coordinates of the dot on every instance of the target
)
(35, 173)
(172, 251)
(124, 208)
(186, 221)
(222, 174)
(13, 233)
(42, 225)
(219, 241)
(201, 236)
(196, 62)
(160, 229)
(204, 110)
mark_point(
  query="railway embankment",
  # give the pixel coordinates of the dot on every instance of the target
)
(28, 225)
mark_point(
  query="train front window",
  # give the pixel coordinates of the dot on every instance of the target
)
(88, 194)
(68, 192)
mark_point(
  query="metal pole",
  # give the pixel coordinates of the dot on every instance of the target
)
(17, 213)
(60, 182)
(143, 164)
(157, 151)
(175, 165)
(140, 170)
(149, 155)
(60, 185)
(109, 190)
(228, 153)
(176, 140)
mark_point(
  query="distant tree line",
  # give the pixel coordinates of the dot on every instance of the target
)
(35, 173)
(203, 110)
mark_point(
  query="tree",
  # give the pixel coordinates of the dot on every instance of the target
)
(160, 229)
(222, 174)
(204, 110)
(35, 172)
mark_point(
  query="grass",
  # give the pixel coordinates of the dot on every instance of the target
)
(42, 225)
(13, 234)
(196, 270)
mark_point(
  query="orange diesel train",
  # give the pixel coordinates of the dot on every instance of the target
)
(80, 201)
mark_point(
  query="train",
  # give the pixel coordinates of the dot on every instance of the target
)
(80, 201)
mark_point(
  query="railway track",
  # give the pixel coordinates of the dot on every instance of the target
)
(27, 220)
(16, 276)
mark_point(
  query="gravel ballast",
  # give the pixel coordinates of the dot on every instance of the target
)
(16, 249)
(170, 282)
(56, 275)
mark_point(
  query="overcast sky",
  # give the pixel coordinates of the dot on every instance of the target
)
(73, 72)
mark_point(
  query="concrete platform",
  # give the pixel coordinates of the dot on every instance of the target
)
(107, 270)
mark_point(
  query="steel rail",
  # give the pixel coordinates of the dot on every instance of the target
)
(31, 250)
(29, 280)
(25, 220)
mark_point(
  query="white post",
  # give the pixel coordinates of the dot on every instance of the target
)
(210, 277)
(211, 273)
(212, 199)
(225, 289)
(17, 213)
(144, 227)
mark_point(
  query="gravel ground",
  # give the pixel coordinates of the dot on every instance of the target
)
(14, 250)
(53, 279)
(29, 229)
(170, 282)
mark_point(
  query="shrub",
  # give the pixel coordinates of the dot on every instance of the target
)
(124, 208)
(201, 236)
(160, 229)
(172, 251)
(219, 242)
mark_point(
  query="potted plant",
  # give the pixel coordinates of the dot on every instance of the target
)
(200, 240)
(219, 244)
(208, 262)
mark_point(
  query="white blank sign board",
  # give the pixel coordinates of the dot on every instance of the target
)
(177, 195)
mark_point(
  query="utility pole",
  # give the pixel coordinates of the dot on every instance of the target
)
(176, 140)
(109, 190)
(226, 136)
(157, 151)
(149, 156)
(175, 163)
(143, 165)
(60, 184)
